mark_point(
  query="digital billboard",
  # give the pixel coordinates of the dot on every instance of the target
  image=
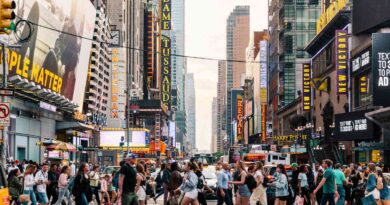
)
(55, 57)
(353, 126)
(116, 138)
(342, 61)
(381, 68)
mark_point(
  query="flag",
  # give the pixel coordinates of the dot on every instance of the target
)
(320, 84)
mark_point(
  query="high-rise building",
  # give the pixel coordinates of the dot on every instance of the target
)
(237, 37)
(179, 67)
(190, 109)
(221, 103)
(214, 127)
(292, 24)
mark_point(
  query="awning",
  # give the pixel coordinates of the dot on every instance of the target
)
(73, 125)
(380, 117)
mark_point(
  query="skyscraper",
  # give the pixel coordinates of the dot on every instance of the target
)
(214, 127)
(237, 37)
(221, 103)
(190, 109)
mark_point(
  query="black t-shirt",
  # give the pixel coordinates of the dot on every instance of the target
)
(130, 178)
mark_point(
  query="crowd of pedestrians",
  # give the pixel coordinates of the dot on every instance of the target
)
(183, 183)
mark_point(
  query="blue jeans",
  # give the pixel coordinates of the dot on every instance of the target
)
(33, 199)
(82, 200)
(327, 197)
(341, 191)
(225, 199)
(63, 192)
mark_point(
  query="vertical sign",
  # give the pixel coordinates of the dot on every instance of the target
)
(240, 114)
(263, 122)
(342, 61)
(166, 71)
(149, 49)
(114, 83)
(166, 15)
(363, 84)
(381, 68)
(306, 71)
(263, 72)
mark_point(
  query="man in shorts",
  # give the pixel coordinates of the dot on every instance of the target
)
(41, 180)
(127, 181)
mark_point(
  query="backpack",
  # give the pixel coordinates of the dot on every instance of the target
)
(250, 181)
(200, 184)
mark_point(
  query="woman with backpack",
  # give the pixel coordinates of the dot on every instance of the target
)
(259, 195)
(383, 187)
(63, 183)
(244, 194)
(281, 184)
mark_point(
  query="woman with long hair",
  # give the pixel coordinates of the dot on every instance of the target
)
(372, 183)
(63, 182)
(303, 185)
(175, 180)
(14, 185)
(320, 175)
(82, 188)
(188, 187)
(312, 185)
(348, 186)
(383, 187)
(281, 184)
(94, 180)
(259, 194)
(244, 193)
(140, 187)
(29, 183)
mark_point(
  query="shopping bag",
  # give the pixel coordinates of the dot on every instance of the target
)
(369, 200)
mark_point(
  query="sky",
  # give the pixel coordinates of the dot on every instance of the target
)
(205, 36)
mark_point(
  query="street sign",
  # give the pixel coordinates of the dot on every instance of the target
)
(7, 92)
(4, 114)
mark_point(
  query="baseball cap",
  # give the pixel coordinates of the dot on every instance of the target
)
(294, 165)
(131, 156)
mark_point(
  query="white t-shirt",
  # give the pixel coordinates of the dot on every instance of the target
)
(41, 177)
(303, 178)
(257, 174)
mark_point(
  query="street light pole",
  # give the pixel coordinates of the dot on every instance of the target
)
(3, 99)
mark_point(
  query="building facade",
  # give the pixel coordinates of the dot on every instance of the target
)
(221, 97)
(190, 100)
(237, 37)
(214, 126)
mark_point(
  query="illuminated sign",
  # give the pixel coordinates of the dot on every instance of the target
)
(79, 116)
(306, 72)
(263, 122)
(363, 84)
(342, 61)
(361, 61)
(263, 72)
(166, 72)
(381, 69)
(353, 126)
(289, 138)
(240, 114)
(329, 13)
(149, 48)
(166, 15)
(114, 83)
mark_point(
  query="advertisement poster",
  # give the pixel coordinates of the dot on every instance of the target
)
(342, 61)
(306, 87)
(381, 68)
(52, 58)
(353, 126)
(116, 138)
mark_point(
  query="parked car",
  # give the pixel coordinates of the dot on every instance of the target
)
(108, 170)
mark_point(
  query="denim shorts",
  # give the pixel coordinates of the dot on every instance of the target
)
(42, 198)
(243, 190)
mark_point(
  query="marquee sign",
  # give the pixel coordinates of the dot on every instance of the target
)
(166, 15)
(306, 87)
(342, 61)
(240, 115)
(166, 72)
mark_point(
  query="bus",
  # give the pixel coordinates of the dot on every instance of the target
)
(205, 159)
(267, 157)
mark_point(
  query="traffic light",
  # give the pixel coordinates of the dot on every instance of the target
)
(7, 15)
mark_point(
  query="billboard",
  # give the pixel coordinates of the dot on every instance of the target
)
(239, 116)
(263, 122)
(116, 138)
(329, 11)
(379, 15)
(341, 47)
(353, 126)
(263, 72)
(381, 68)
(166, 71)
(166, 15)
(55, 57)
(306, 72)
(118, 83)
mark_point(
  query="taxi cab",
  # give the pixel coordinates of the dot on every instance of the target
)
(4, 194)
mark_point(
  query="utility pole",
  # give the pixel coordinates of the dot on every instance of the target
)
(3, 99)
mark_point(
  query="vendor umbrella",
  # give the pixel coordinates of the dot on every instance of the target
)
(48, 142)
(63, 146)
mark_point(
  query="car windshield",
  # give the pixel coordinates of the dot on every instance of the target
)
(109, 170)
(209, 175)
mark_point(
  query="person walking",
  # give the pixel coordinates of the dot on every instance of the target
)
(42, 180)
(318, 179)
(340, 181)
(311, 182)
(294, 179)
(113, 188)
(52, 187)
(140, 188)
(127, 181)
(94, 180)
(383, 187)
(244, 193)
(259, 194)
(328, 183)
(222, 186)
(348, 186)
(372, 183)
(281, 184)
(28, 184)
(303, 185)
(63, 182)
(82, 189)
(14, 185)
(104, 186)
(175, 180)
(188, 187)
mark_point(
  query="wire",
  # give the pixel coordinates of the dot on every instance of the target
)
(18, 36)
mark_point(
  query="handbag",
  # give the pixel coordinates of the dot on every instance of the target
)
(375, 193)
(24, 198)
(369, 200)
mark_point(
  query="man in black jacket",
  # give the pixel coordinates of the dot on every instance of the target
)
(51, 189)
